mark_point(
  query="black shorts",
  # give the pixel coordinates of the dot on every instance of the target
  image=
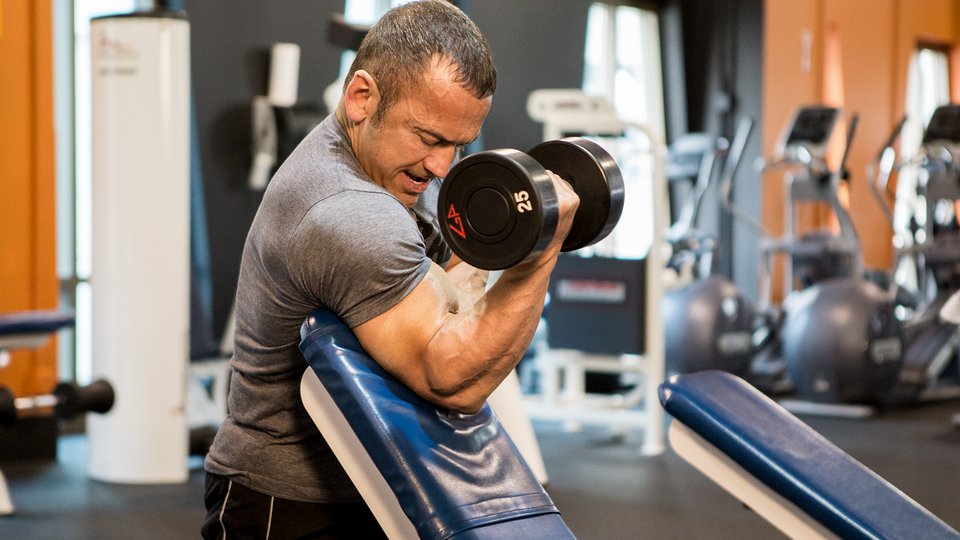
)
(237, 512)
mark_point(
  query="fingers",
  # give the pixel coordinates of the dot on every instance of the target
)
(565, 191)
(567, 201)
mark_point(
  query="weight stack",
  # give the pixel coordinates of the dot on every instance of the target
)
(141, 244)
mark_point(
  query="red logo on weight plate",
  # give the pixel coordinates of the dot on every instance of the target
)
(456, 225)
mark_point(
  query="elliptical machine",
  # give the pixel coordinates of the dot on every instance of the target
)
(708, 322)
(813, 257)
(690, 167)
(843, 341)
(819, 255)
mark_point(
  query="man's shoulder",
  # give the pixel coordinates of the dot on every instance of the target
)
(363, 194)
(360, 210)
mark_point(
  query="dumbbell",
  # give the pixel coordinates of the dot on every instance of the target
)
(499, 208)
(67, 400)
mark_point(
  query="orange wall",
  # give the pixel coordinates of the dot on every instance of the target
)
(876, 40)
(792, 76)
(27, 182)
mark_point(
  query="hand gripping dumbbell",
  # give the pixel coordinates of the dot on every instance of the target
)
(499, 208)
(67, 400)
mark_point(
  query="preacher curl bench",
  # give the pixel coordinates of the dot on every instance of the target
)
(24, 330)
(424, 472)
(430, 473)
(781, 468)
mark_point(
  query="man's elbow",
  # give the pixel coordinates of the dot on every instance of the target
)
(459, 385)
(463, 406)
(461, 398)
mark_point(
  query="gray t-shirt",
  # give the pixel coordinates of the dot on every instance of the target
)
(324, 236)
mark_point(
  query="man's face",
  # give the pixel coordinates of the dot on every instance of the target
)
(421, 134)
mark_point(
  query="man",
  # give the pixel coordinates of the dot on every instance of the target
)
(349, 223)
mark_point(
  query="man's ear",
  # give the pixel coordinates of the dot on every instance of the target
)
(361, 97)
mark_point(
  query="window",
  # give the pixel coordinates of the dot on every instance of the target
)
(622, 63)
(74, 234)
(928, 86)
(363, 12)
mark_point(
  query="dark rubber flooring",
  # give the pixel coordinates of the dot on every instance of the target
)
(599, 480)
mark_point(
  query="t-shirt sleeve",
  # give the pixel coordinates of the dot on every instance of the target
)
(357, 254)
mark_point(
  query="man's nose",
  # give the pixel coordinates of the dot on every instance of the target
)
(439, 160)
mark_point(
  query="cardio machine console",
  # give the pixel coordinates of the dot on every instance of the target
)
(810, 129)
(944, 126)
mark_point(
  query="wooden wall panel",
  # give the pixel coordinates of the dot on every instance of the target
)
(792, 76)
(866, 29)
(876, 40)
(27, 182)
(920, 21)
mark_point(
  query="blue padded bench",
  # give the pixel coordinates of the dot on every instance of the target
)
(782, 468)
(31, 329)
(26, 330)
(425, 472)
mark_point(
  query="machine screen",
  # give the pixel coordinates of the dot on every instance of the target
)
(812, 125)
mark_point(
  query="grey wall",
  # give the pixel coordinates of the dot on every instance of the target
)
(722, 59)
(536, 44)
(748, 192)
(230, 44)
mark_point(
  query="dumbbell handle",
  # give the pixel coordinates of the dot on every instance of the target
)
(67, 399)
(96, 397)
(35, 402)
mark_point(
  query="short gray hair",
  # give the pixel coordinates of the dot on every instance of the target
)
(398, 49)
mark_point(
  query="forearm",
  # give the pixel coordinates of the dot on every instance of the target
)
(476, 348)
(469, 283)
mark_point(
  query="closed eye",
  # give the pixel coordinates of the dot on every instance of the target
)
(426, 141)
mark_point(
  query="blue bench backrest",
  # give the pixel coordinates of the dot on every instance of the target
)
(34, 322)
(795, 461)
(453, 474)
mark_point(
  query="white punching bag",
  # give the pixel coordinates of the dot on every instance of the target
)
(140, 278)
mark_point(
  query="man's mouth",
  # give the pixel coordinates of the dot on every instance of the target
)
(417, 179)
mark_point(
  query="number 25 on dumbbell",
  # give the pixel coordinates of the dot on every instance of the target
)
(501, 208)
(522, 199)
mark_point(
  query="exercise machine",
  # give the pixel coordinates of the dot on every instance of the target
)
(931, 341)
(781, 468)
(140, 283)
(32, 330)
(693, 163)
(708, 322)
(896, 360)
(811, 257)
(814, 256)
(423, 471)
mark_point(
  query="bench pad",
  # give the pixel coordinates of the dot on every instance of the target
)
(794, 460)
(453, 474)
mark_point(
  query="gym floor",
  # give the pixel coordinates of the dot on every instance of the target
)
(603, 486)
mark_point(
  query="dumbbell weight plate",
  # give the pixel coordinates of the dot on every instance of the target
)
(595, 177)
(73, 399)
(68, 400)
(498, 208)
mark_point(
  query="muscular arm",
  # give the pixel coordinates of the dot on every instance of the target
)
(452, 344)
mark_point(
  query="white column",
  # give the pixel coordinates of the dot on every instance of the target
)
(141, 245)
